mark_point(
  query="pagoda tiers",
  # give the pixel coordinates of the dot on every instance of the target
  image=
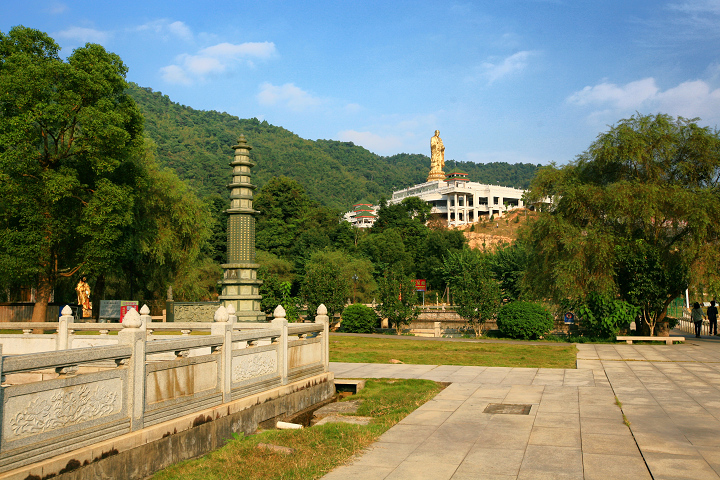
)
(240, 286)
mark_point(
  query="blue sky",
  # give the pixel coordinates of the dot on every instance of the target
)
(509, 80)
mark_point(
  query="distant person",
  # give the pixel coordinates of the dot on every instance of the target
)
(712, 313)
(697, 315)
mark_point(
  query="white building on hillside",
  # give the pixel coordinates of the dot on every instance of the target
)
(363, 215)
(453, 197)
(460, 201)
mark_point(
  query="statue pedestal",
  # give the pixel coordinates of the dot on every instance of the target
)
(436, 177)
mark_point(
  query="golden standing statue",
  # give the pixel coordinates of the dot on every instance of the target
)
(437, 158)
(83, 296)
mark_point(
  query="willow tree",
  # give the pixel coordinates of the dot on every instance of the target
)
(631, 217)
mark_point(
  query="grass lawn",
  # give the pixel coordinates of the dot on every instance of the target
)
(437, 352)
(317, 450)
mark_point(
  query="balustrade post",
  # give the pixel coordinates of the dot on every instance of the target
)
(281, 322)
(222, 326)
(145, 318)
(132, 335)
(322, 317)
(62, 333)
(232, 318)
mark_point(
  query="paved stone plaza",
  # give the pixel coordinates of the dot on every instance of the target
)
(575, 428)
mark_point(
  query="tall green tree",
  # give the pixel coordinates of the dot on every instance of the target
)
(325, 283)
(476, 294)
(70, 139)
(632, 216)
(397, 299)
(508, 264)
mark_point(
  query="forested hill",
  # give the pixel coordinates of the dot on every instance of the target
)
(196, 144)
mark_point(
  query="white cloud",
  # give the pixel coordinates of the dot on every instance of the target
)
(352, 108)
(201, 65)
(508, 66)
(698, 6)
(371, 141)
(180, 30)
(167, 30)
(84, 35)
(175, 74)
(242, 50)
(395, 133)
(630, 96)
(215, 60)
(288, 95)
(689, 99)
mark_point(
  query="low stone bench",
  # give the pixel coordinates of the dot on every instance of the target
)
(667, 340)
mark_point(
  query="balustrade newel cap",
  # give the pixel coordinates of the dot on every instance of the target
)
(279, 312)
(144, 310)
(67, 311)
(322, 309)
(231, 309)
(221, 314)
(131, 319)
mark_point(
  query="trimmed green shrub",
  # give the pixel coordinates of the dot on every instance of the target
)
(524, 320)
(358, 318)
(603, 316)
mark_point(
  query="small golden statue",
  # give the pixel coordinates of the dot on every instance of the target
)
(437, 158)
(83, 296)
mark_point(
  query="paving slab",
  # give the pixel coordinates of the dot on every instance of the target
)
(612, 466)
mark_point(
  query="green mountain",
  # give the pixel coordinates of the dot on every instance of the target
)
(196, 144)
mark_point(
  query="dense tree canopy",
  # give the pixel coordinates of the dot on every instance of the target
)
(80, 190)
(70, 139)
(632, 216)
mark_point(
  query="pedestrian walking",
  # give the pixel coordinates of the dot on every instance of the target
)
(697, 315)
(712, 313)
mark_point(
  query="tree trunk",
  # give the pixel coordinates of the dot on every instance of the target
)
(42, 298)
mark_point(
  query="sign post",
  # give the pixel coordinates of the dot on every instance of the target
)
(421, 286)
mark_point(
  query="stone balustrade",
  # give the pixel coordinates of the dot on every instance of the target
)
(77, 389)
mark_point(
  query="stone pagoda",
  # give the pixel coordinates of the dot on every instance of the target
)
(240, 286)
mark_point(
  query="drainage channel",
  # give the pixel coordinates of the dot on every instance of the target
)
(307, 418)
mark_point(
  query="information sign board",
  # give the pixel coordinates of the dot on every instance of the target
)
(116, 309)
(126, 305)
(420, 285)
(110, 309)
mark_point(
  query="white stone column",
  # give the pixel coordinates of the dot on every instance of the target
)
(281, 322)
(145, 318)
(62, 333)
(223, 327)
(132, 335)
(322, 317)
